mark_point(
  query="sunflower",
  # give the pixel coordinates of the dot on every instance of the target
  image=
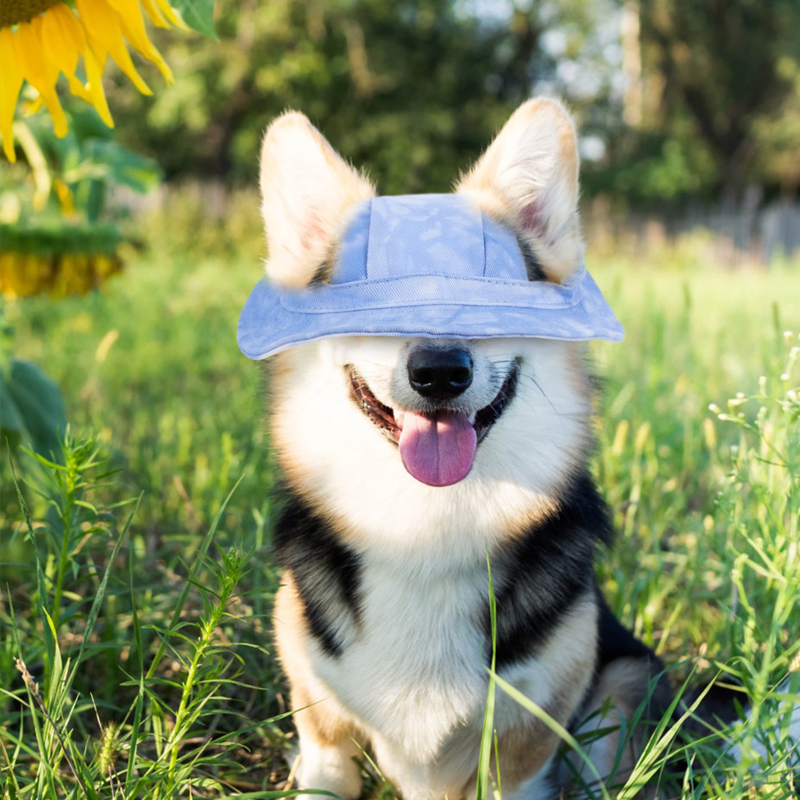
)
(59, 260)
(39, 39)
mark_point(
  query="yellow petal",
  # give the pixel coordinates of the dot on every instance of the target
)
(64, 24)
(169, 12)
(103, 26)
(62, 39)
(40, 72)
(32, 107)
(78, 89)
(65, 197)
(130, 14)
(94, 72)
(9, 90)
(148, 50)
(156, 17)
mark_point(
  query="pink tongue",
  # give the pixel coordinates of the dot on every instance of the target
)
(438, 451)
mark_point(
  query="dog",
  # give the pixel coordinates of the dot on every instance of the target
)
(410, 460)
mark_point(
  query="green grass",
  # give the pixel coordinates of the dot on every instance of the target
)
(138, 594)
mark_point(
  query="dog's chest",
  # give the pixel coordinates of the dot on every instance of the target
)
(413, 669)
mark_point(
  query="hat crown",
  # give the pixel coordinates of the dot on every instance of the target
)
(426, 234)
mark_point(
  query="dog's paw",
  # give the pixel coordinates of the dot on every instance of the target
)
(329, 768)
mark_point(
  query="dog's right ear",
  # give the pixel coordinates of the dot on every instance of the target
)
(307, 189)
(528, 178)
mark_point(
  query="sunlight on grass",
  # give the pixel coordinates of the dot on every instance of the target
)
(138, 595)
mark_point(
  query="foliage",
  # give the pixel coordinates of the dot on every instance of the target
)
(198, 15)
(412, 90)
(152, 366)
(166, 738)
(69, 177)
(761, 498)
(31, 406)
(52, 240)
(714, 75)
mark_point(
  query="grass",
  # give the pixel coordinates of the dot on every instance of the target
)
(136, 591)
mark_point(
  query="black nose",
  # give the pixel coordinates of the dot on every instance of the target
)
(440, 374)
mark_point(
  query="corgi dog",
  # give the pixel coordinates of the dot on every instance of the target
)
(409, 459)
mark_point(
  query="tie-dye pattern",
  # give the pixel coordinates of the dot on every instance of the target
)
(425, 265)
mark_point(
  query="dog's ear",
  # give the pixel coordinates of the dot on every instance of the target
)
(307, 189)
(528, 178)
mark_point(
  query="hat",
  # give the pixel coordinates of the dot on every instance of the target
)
(426, 265)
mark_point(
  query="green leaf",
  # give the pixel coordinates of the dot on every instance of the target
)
(10, 418)
(36, 402)
(198, 15)
(107, 160)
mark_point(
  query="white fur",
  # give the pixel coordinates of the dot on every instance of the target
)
(416, 687)
(329, 768)
(531, 171)
(307, 190)
(525, 459)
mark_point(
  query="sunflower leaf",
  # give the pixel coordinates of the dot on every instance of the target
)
(198, 15)
(31, 403)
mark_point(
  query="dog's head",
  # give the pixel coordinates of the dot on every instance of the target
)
(368, 425)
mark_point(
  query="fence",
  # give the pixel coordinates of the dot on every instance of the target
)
(748, 236)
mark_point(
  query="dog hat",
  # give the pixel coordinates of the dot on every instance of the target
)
(426, 265)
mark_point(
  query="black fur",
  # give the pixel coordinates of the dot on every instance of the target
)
(536, 580)
(532, 265)
(615, 640)
(326, 571)
(322, 274)
(542, 575)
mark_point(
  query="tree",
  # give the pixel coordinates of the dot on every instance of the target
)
(412, 89)
(714, 73)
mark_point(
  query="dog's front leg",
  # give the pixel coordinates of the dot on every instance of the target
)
(327, 764)
(527, 753)
(327, 745)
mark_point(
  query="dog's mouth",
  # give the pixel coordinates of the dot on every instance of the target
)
(437, 447)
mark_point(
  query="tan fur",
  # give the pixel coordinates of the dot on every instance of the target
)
(526, 748)
(307, 191)
(320, 721)
(578, 376)
(528, 178)
(291, 637)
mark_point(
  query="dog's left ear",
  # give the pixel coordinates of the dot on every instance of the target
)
(307, 190)
(528, 178)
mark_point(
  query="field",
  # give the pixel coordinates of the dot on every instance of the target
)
(146, 621)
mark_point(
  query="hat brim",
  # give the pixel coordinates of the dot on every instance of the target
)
(274, 319)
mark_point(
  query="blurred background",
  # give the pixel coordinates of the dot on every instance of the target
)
(689, 113)
(689, 110)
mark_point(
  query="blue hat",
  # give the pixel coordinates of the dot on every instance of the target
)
(425, 265)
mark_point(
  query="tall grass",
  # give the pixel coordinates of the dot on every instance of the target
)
(174, 721)
(136, 588)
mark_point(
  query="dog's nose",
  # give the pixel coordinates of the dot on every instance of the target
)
(440, 374)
